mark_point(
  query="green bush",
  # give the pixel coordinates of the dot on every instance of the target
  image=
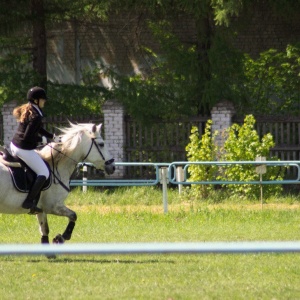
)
(203, 149)
(242, 144)
(272, 82)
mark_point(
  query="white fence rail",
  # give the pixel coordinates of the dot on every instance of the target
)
(151, 248)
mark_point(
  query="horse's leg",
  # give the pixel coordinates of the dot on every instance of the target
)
(64, 211)
(44, 227)
(44, 230)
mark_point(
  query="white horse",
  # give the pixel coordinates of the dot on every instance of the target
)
(81, 142)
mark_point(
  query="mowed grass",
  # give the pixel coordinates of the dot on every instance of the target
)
(136, 215)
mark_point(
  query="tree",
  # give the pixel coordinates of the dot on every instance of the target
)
(184, 78)
(39, 40)
(190, 78)
(30, 17)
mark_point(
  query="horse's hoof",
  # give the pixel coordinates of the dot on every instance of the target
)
(58, 239)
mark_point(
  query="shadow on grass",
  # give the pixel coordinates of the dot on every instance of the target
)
(102, 261)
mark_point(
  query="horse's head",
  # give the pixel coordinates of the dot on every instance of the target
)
(96, 151)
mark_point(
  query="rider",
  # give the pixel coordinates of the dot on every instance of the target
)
(25, 141)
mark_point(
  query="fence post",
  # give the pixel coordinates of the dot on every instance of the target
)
(221, 115)
(114, 132)
(179, 178)
(164, 181)
(9, 122)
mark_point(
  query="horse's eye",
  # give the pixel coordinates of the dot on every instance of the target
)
(101, 144)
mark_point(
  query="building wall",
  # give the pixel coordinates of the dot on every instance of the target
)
(264, 28)
(118, 42)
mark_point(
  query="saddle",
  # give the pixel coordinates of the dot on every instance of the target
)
(22, 176)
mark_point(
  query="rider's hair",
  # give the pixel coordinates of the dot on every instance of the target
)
(23, 112)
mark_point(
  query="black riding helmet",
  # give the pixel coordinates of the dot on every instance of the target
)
(36, 93)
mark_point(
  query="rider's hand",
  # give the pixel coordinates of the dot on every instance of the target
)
(56, 139)
(44, 141)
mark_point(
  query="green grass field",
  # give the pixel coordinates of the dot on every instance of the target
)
(136, 215)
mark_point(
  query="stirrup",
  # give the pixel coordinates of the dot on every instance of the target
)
(35, 210)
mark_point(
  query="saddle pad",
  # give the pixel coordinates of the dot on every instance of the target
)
(23, 179)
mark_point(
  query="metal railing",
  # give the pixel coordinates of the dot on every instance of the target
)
(176, 173)
(185, 165)
(119, 181)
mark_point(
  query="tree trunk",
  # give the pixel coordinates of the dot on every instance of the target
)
(205, 34)
(39, 41)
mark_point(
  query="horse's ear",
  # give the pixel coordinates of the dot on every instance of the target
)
(99, 127)
(92, 131)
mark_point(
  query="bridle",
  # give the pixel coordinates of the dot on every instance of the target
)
(106, 162)
(93, 143)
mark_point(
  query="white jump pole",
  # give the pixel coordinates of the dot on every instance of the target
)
(144, 248)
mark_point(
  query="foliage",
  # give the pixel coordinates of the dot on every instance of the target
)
(224, 10)
(73, 100)
(242, 143)
(168, 86)
(181, 82)
(17, 74)
(227, 11)
(273, 81)
(177, 83)
(82, 11)
(203, 149)
(185, 78)
(15, 77)
(173, 86)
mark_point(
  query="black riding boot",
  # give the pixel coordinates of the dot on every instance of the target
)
(33, 196)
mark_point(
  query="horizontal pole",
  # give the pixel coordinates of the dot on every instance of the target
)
(120, 182)
(240, 162)
(130, 164)
(151, 248)
(236, 182)
(187, 164)
(107, 182)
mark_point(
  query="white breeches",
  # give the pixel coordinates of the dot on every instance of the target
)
(32, 159)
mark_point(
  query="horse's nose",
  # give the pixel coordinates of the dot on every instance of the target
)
(109, 162)
(110, 166)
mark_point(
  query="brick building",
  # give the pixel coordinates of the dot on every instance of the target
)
(118, 42)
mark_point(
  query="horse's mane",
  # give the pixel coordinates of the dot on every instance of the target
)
(71, 137)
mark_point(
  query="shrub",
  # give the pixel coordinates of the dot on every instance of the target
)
(203, 149)
(242, 144)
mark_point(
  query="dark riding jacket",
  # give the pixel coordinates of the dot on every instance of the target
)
(30, 132)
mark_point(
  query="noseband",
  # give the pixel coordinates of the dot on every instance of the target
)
(108, 162)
